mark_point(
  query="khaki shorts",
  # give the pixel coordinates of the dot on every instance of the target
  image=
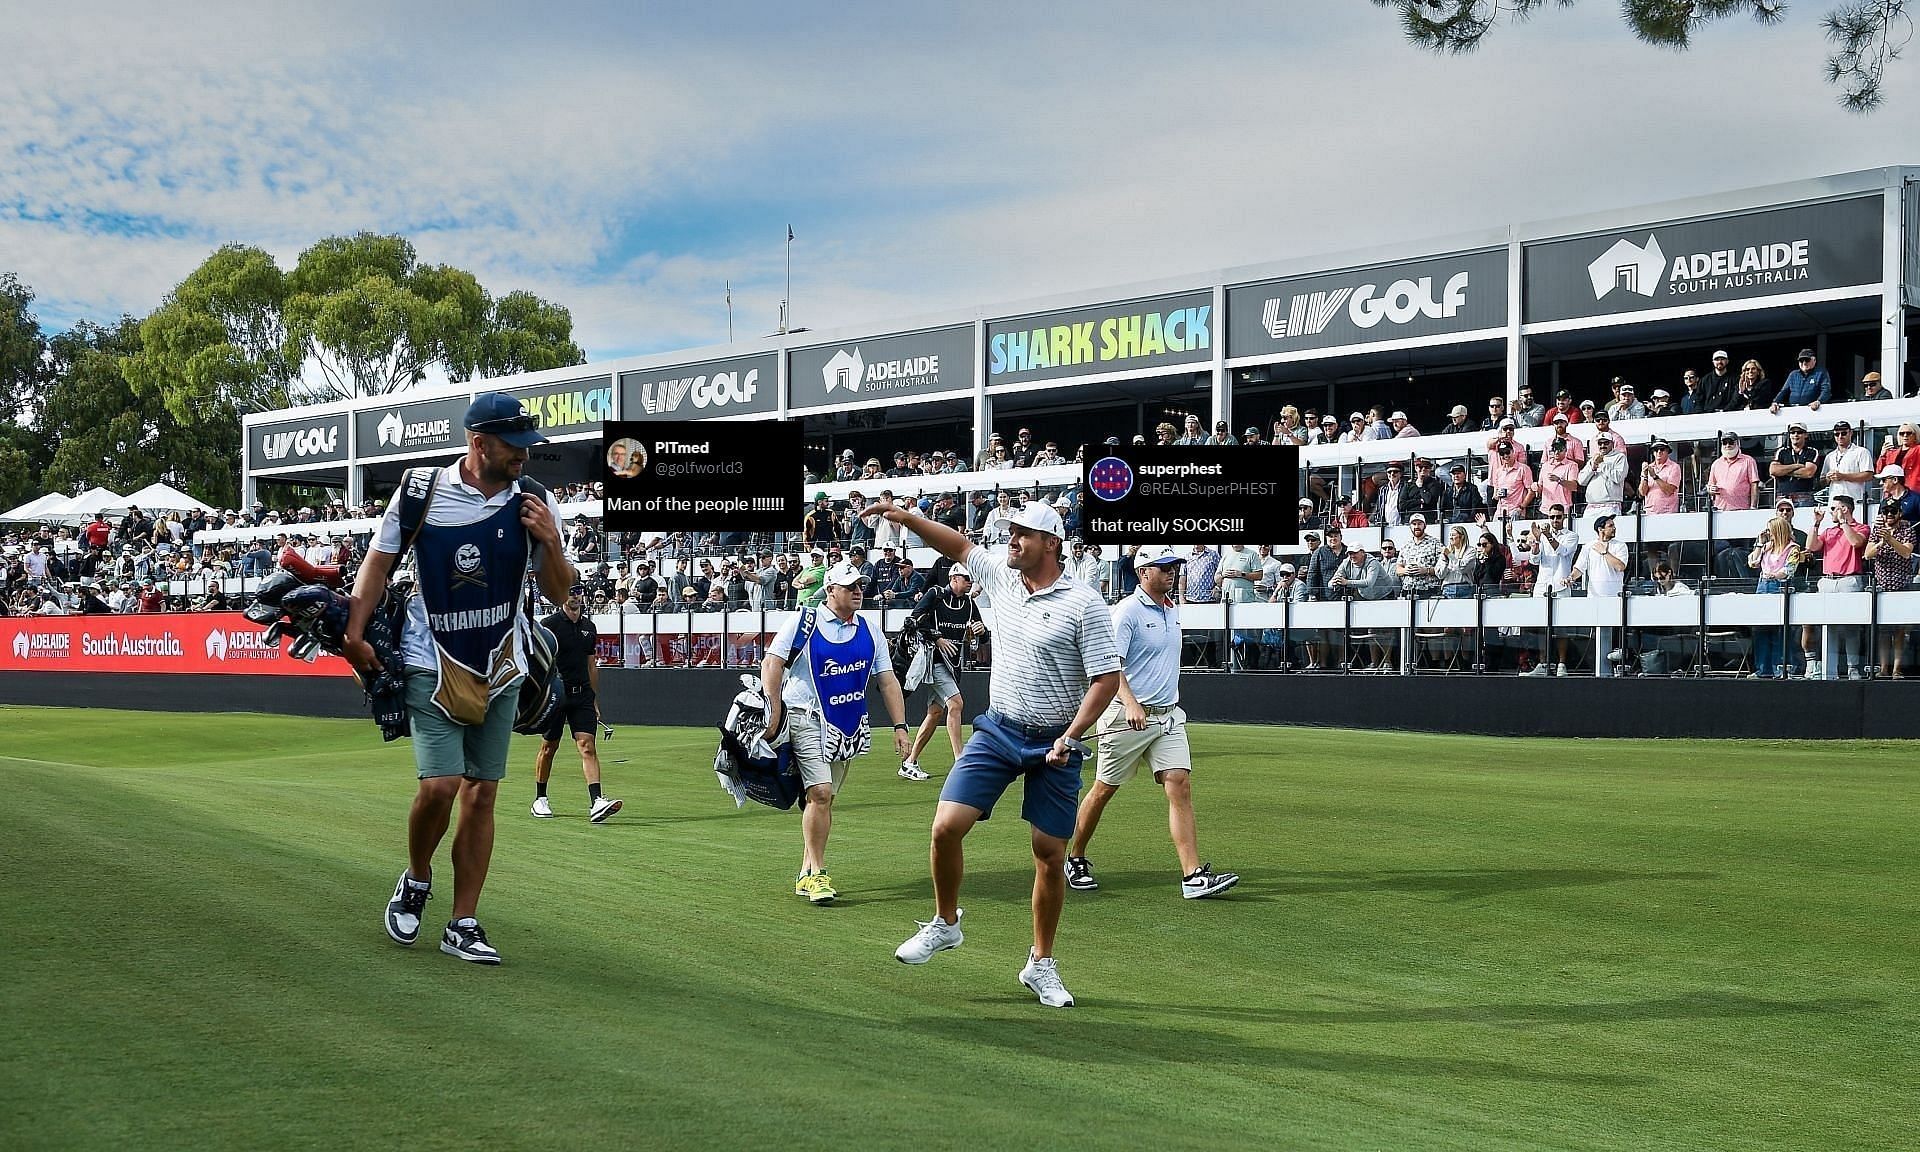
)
(1162, 744)
(803, 729)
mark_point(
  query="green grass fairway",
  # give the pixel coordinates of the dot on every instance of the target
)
(1439, 942)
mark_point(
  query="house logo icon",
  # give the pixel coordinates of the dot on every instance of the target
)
(1633, 267)
(389, 429)
(21, 646)
(845, 370)
(217, 644)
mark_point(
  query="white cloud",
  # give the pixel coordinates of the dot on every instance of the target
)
(927, 158)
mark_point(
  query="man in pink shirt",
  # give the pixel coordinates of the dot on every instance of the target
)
(1559, 475)
(1734, 479)
(1576, 448)
(1509, 483)
(1504, 435)
(1603, 426)
(1840, 546)
(1660, 482)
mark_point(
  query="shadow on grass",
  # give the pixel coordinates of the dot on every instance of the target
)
(1097, 1038)
(1450, 883)
(1692, 1006)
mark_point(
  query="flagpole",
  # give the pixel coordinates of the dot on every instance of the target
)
(786, 299)
(729, 285)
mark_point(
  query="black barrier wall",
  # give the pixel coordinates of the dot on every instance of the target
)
(1668, 708)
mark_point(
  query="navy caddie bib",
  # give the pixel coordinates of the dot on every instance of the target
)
(471, 580)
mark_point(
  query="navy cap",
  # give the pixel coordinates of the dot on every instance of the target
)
(498, 414)
(577, 588)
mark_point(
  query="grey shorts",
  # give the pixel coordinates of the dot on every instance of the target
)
(443, 748)
(942, 683)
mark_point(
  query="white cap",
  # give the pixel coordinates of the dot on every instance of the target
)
(1890, 472)
(1040, 518)
(1720, 355)
(959, 570)
(844, 574)
(1398, 416)
(1147, 557)
(1509, 422)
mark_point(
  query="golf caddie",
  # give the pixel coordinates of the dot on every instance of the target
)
(476, 528)
(815, 676)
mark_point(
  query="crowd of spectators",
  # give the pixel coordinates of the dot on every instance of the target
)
(1498, 522)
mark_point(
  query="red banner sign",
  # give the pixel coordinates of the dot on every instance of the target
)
(218, 642)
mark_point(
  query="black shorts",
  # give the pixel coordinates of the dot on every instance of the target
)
(578, 711)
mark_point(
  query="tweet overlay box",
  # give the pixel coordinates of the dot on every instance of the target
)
(1192, 495)
(702, 476)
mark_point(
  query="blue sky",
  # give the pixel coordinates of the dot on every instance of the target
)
(627, 159)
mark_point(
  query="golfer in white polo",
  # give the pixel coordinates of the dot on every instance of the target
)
(1146, 724)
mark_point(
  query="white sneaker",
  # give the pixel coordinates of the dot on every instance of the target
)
(1204, 881)
(1042, 977)
(935, 935)
(1813, 669)
(1560, 670)
(542, 809)
(1539, 670)
(602, 808)
(911, 771)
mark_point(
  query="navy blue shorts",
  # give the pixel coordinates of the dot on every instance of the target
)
(1000, 752)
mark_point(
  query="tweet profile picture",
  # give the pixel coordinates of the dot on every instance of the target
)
(626, 457)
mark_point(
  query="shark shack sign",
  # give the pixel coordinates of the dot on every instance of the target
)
(1808, 248)
(217, 643)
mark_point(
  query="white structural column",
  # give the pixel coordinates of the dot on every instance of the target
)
(1516, 343)
(1222, 379)
(1893, 270)
(982, 403)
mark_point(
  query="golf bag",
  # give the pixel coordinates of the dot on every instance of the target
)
(540, 690)
(748, 767)
(912, 655)
(303, 601)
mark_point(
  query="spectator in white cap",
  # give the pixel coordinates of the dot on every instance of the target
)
(1326, 432)
(949, 620)
(1503, 433)
(1145, 723)
(1660, 403)
(824, 708)
(1055, 671)
(1893, 487)
(1457, 421)
(1720, 382)
(1401, 427)
(1848, 467)
(1419, 564)
(1626, 405)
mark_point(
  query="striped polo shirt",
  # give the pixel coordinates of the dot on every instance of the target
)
(1047, 644)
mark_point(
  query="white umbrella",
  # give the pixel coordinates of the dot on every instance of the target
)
(38, 508)
(87, 503)
(164, 497)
